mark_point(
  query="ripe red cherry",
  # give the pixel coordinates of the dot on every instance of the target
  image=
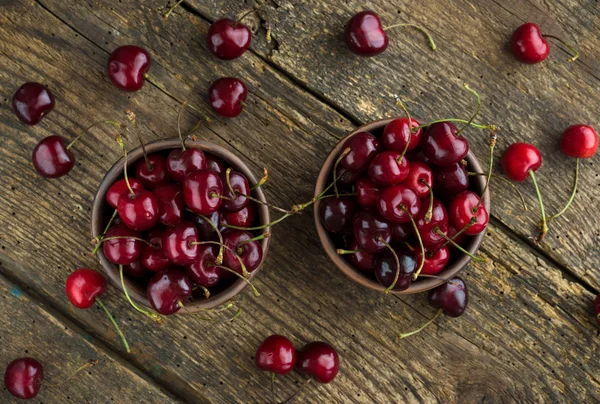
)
(276, 354)
(386, 268)
(228, 39)
(442, 146)
(362, 259)
(182, 162)
(152, 173)
(519, 159)
(51, 158)
(529, 45)
(119, 188)
(153, 257)
(169, 199)
(319, 360)
(138, 211)
(239, 183)
(214, 163)
(23, 378)
(84, 285)
(203, 271)
(345, 176)
(439, 220)
(597, 308)
(127, 67)
(463, 208)
(31, 102)
(419, 177)
(371, 232)
(202, 190)
(452, 297)
(451, 179)
(168, 290)
(250, 252)
(135, 270)
(398, 203)
(122, 251)
(364, 34)
(244, 217)
(367, 192)
(579, 141)
(401, 231)
(227, 96)
(363, 147)
(397, 133)
(435, 261)
(337, 213)
(389, 168)
(178, 243)
(206, 232)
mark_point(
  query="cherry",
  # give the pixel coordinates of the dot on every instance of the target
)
(138, 211)
(319, 360)
(418, 155)
(232, 202)
(51, 157)
(443, 145)
(362, 260)
(365, 35)
(119, 188)
(125, 249)
(153, 171)
(580, 141)
(452, 297)
(401, 231)
(203, 271)
(206, 232)
(276, 354)
(452, 234)
(386, 269)
(345, 176)
(182, 162)
(244, 217)
(597, 308)
(227, 96)
(239, 247)
(363, 147)
(168, 290)
(371, 232)
(169, 199)
(23, 378)
(367, 192)
(202, 190)
(228, 39)
(153, 257)
(519, 160)
(528, 44)
(435, 261)
(389, 168)
(337, 213)
(127, 67)
(451, 179)
(136, 269)
(215, 164)
(419, 179)
(178, 243)
(429, 227)
(397, 133)
(31, 102)
(84, 285)
(398, 203)
(464, 207)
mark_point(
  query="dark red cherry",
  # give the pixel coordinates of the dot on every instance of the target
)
(239, 183)
(363, 147)
(138, 211)
(401, 231)
(367, 192)
(122, 251)
(442, 146)
(397, 133)
(182, 162)
(579, 141)
(418, 155)
(419, 176)
(214, 163)
(203, 271)
(227, 96)
(135, 270)
(463, 208)
(32, 102)
(452, 232)
(452, 297)
(362, 260)
(153, 173)
(206, 232)
(202, 191)
(371, 232)
(250, 252)
(451, 179)
(319, 360)
(178, 243)
(520, 158)
(389, 168)
(439, 220)
(119, 188)
(597, 308)
(276, 354)
(127, 66)
(169, 198)
(386, 268)
(244, 217)
(168, 290)
(435, 260)
(345, 176)
(393, 199)
(228, 39)
(84, 285)
(364, 34)
(23, 378)
(51, 158)
(153, 256)
(337, 213)
(528, 45)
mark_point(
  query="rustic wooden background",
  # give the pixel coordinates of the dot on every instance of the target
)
(528, 334)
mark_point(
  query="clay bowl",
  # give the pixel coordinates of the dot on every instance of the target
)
(101, 212)
(458, 260)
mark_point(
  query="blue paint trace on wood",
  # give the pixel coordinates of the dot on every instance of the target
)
(16, 291)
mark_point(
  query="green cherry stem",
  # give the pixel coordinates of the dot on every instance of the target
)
(402, 106)
(242, 277)
(129, 238)
(273, 387)
(262, 181)
(571, 48)
(114, 123)
(397, 275)
(573, 193)
(88, 364)
(544, 224)
(335, 166)
(420, 242)
(185, 103)
(341, 251)
(509, 182)
(489, 176)
(257, 238)
(297, 392)
(98, 239)
(221, 245)
(466, 86)
(472, 221)
(112, 320)
(119, 140)
(168, 13)
(153, 316)
(457, 120)
(408, 334)
(417, 27)
(429, 212)
(244, 270)
(458, 247)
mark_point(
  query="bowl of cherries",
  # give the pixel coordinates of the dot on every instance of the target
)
(170, 224)
(408, 207)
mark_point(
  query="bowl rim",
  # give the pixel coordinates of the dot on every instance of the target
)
(116, 172)
(422, 284)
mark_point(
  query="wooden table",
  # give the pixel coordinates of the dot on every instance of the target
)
(528, 334)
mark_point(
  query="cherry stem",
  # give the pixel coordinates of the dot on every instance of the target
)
(458, 246)
(131, 116)
(417, 27)
(244, 270)
(476, 110)
(179, 124)
(252, 199)
(341, 251)
(418, 238)
(489, 176)
(297, 392)
(472, 222)
(114, 123)
(262, 181)
(228, 180)
(273, 387)
(401, 105)
(544, 225)
(335, 166)
(221, 245)
(153, 316)
(257, 238)
(429, 212)
(571, 48)
(573, 193)
(100, 238)
(399, 160)
(408, 334)
(168, 13)
(246, 14)
(112, 320)
(242, 277)
(218, 310)
(397, 275)
(88, 364)
(119, 140)
(204, 290)
(509, 182)
(128, 238)
(457, 120)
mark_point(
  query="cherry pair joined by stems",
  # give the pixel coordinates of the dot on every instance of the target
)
(529, 45)
(31, 102)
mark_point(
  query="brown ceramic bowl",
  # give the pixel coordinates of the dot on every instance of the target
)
(457, 262)
(101, 212)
